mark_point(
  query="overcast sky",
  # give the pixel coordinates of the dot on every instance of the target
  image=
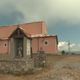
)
(61, 16)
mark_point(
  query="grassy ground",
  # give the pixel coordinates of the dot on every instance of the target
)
(58, 68)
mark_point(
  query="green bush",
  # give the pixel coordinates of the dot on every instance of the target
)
(63, 52)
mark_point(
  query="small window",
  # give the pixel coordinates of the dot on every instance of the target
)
(5, 44)
(46, 42)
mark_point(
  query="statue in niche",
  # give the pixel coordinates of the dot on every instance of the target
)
(20, 54)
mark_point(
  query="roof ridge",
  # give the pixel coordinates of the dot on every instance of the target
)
(24, 30)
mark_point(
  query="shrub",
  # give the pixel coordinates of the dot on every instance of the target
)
(63, 52)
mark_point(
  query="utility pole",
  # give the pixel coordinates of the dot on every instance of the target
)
(69, 46)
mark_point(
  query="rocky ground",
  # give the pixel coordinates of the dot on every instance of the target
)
(58, 68)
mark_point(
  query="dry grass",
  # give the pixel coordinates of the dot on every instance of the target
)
(58, 68)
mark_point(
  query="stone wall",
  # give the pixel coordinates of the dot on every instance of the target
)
(40, 59)
(16, 66)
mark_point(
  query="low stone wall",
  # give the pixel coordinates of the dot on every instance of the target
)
(16, 66)
(40, 59)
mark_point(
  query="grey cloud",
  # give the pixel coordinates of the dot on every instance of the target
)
(46, 10)
(9, 14)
